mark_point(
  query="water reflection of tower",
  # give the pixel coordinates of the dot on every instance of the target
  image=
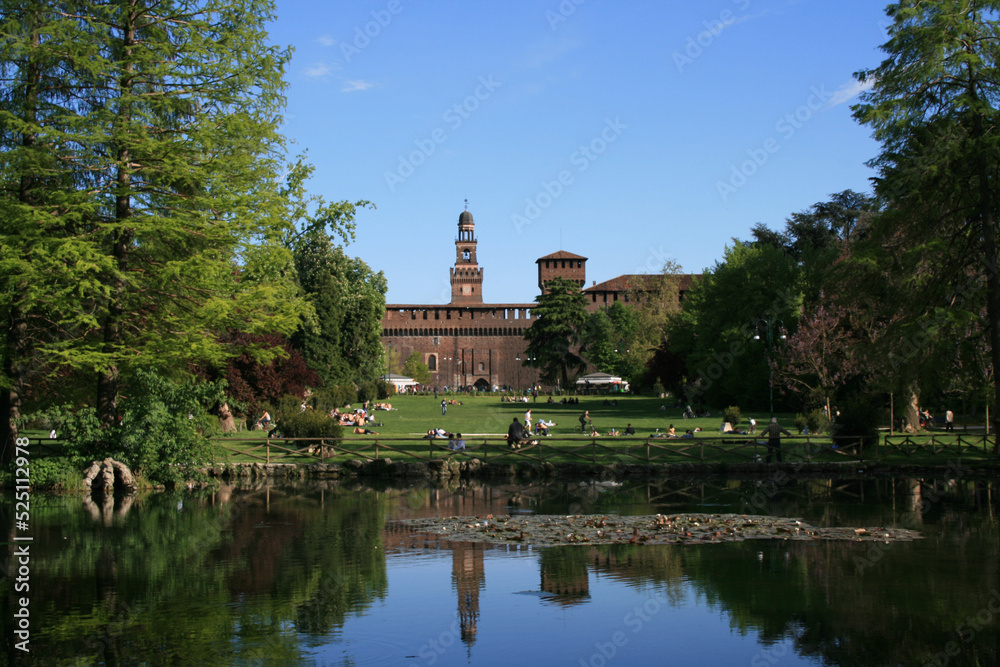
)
(469, 576)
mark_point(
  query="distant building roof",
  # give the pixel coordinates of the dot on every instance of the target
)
(643, 281)
(562, 254)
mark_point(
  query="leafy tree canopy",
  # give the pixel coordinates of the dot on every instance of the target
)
(555, 337)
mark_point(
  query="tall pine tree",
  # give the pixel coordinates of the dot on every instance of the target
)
(555, 337)
(154, 146)
(933, 104)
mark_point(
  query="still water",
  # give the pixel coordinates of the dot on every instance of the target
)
(320, 574)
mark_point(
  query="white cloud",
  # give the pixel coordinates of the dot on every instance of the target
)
(849, 91)
(326, 40)
(356, 84)
(319, 70)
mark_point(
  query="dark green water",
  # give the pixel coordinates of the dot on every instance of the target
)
(320, 574)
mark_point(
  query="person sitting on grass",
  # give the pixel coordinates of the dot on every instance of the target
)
(629, 430)
(671, 431)
(542, 428)
(515, 434)
(456, 443)
(364, 431)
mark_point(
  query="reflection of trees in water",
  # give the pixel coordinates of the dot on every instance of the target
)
(215, 575)
(856, 603)
(255, 566)
(841, 602)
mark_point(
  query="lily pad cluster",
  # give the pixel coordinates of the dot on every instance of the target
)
(549, 530)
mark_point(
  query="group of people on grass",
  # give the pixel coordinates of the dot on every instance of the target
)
(519, 434)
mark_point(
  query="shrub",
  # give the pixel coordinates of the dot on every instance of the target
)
(163, 423)
(55, 473)
(367, 391)
(801, 423)
(336, 396)
(309, 424)
(732, 415)
(818, 422)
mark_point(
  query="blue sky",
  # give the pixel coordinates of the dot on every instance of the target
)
(627, 132)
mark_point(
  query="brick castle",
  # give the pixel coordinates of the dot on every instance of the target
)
(468, 343)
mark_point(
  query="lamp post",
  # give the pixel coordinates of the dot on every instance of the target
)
(518, 360)
(770, 368)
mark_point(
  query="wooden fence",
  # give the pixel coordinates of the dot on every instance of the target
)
(605, 450)
(595, 450)
(958, 444)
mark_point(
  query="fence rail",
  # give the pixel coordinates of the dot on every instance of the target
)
(638, 450)
(610, 450)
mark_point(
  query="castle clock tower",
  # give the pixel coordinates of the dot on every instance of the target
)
(466, 277)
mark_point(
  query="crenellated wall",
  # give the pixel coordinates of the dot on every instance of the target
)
(464, 345)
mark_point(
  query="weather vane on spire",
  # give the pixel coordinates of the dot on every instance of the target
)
(466, 204)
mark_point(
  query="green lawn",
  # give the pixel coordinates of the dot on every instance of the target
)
(415, 415)
(484, 419)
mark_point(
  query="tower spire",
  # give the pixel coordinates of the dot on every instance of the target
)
(466, 277)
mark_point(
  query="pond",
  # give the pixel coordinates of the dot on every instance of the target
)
(322, 573)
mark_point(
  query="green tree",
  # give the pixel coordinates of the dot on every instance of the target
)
(344, 343)
(932, 103)
(614, 341)
(722, 330)
(815, 238)
(49, 271)
(415, 368)
(555, 338)
(162, 194)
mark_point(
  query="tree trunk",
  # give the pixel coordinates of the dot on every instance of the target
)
(107, 378)
(911, 414)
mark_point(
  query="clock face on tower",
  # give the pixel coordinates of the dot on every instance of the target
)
(466, 289)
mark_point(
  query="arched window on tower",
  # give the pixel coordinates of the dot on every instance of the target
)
(432, 362)
(466, 254)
